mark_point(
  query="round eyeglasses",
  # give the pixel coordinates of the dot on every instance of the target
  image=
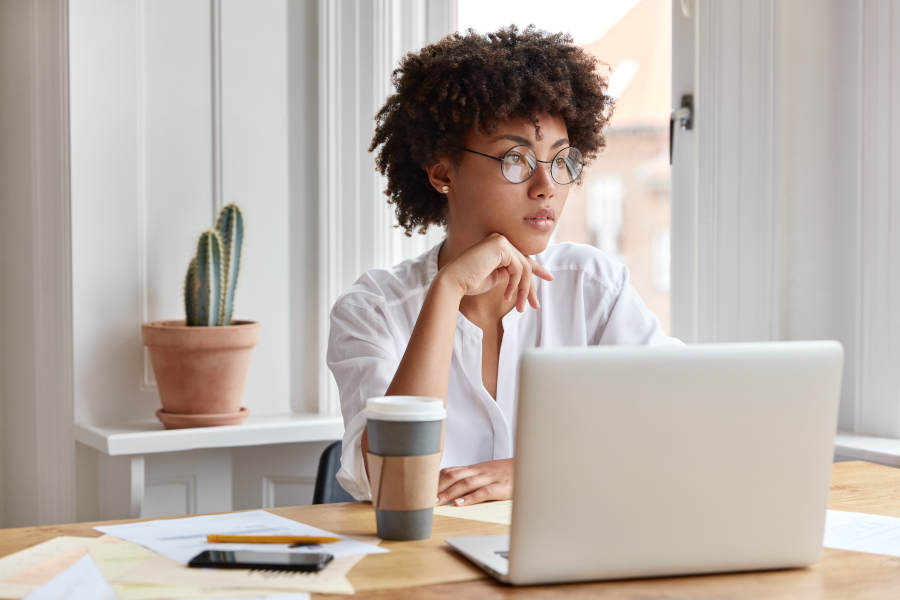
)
(520, 162)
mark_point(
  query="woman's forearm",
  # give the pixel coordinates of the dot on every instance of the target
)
(424, 369)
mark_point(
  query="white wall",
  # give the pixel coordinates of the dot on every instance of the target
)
(177, 107)
(168, 123)
(194, 114)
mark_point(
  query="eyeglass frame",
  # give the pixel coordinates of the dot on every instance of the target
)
(546, 162)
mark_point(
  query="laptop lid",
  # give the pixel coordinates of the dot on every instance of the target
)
(653, 461)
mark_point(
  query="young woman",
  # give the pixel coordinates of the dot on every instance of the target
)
(484, 136)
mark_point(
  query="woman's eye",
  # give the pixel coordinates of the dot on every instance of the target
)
(514, 158)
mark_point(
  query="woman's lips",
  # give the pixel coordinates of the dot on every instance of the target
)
(541, 224)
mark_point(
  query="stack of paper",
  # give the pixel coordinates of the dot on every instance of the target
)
(147, 561)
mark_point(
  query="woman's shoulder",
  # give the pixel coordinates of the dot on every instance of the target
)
(395, 285)
(581, 259)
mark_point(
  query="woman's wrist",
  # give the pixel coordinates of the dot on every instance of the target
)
(448, 287)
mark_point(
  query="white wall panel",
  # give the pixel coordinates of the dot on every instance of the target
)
(288, 491)
(107, 223)
(175, 200)
(185, 483)
(255, 175)
(162, 90)
(275, 475)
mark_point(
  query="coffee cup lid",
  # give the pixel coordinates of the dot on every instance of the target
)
(405, 408)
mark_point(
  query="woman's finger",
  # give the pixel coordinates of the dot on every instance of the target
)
(515, 276)
(482, 494)
(532, 295)
(539, 270)
(525, 284)
(447, 472)
(464, 486)
(456, 474)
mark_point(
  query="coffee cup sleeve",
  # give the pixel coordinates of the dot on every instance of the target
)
(404, 482)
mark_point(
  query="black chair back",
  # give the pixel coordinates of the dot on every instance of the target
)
(328, 490)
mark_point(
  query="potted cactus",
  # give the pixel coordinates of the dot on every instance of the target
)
(201, 362)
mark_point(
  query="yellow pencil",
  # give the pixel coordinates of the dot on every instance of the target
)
(271, 539)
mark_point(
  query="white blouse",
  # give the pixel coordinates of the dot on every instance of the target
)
(589, 302)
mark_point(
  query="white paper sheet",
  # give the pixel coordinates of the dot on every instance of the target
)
(860, 532)
(183, 539)
(81, 580)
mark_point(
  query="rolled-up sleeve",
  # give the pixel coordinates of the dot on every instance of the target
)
(362, 359)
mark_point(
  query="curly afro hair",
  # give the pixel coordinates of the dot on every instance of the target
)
(479, 81)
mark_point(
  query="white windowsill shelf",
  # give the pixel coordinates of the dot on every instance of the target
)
(884, 451)
(148, 437)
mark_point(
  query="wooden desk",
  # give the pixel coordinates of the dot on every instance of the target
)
(430, 570)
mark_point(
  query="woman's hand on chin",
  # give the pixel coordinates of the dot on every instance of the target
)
(492, 480)
(494, 261)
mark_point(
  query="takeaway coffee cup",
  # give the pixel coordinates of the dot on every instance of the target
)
(404, 463)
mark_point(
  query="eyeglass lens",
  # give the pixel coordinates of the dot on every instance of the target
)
(520, 162)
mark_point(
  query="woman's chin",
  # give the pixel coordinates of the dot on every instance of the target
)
(531, 242)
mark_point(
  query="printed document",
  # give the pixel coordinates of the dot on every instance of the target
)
(860, 532)
(491, 512)
(183, 539)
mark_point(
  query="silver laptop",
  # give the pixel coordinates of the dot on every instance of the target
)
(639, 462)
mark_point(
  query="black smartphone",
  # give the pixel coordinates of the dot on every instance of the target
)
(253, 559)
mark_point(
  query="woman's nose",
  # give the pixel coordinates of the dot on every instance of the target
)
(544, 186)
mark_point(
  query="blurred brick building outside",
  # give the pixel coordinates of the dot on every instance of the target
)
(623, 206)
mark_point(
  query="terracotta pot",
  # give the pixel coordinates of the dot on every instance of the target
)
(200, 370)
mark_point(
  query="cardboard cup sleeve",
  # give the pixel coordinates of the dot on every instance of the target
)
(404, 482)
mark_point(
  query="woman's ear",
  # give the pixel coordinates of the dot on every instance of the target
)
(439, 175)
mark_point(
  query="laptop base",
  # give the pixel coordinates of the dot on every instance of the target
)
(487, 551)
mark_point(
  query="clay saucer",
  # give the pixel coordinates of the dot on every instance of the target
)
(185, 421)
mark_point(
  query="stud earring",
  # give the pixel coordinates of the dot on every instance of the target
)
(445, 189)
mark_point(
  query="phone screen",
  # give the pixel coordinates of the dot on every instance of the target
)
(252, 559)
